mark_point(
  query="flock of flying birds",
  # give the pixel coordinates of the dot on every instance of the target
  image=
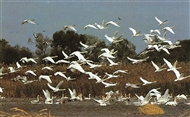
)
(154, 42)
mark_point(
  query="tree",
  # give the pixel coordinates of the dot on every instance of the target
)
(43, 45)
(67, 41)
(3, 45)
(124, 48)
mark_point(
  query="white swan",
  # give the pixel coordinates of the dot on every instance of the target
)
(131, 85)
(108, 84)
(28, 21)
(169, 29)
(137, 61)
(72, 94)
(1, 71)
(135, 33)
(145, 82)
(61, 61)
(90, 26)
(164, 98)
(93, 65)
(113, 23)
(36, 101)
(47, 68)
(171, 67)
(46, 77)
(120, 71)
(144, 100)
(70, 27)
(30, 72)
(48, 100)
(1, 90)
(155, 31)
(111, 63)
(179, 76)
(161, 22)
(12, 70)
(65, 55)
(102, 26)
(87, 46)
(158, 69)
(88, 98)
(25, 59)
(172, 103)
(102, 101)
(56, 89)
(76, 66)
(49, 58)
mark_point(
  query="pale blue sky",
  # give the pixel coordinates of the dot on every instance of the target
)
(52, 15)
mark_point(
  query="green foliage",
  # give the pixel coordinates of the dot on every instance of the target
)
(124, 48)
(42, 46)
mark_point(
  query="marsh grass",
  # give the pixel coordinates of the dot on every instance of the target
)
(22, 113)
(165, 80)
(151, 109)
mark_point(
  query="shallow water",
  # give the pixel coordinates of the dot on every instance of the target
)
(89, 108)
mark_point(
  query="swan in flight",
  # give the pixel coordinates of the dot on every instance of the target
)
(144, 100)
(64, 76)
(135, 33)
(111, 63)
(48, 99)
(30, 72)
(169, 29)
(25, 59)
(56, 89)
(49, 58)
(113, 23)
(161, 22)
(1, 90)
(47, 68)
(28, 21)
(102, 26)
(90, 26)
(1, 71)
(61, 61)
(113, 39)
(171, 67)
(131, 85)
(72, 94)
(93, 65)
(87, 46)
(164, 98)
(137, 61)
(108, 84)
(145, 82)
(120, 71)
(155, 31)
(76, 66)
(70, 27)
(158, 69)
(179, 76)
(46, 77)
(65, 55)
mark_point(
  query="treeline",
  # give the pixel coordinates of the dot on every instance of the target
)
(69, 41)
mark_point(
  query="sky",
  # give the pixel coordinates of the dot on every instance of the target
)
(52, 15)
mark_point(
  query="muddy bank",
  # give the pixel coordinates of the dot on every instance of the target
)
(89, 108)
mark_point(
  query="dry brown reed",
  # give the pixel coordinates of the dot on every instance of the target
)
(22, 113)
(165, 80)
(151, 109)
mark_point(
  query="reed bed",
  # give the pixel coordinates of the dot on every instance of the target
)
(16, 112)
(165, 80)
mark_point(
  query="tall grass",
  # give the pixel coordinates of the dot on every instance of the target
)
(165, 80)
